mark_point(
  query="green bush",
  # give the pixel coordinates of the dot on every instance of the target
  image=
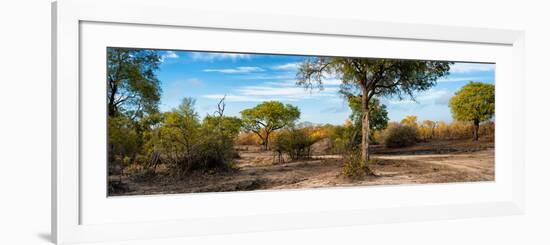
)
(345, 138)
(294, 142)
(185, 143)
(123, 145)
(399, 135)
(218, 134)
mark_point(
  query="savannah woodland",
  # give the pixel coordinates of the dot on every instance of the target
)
(267, 146)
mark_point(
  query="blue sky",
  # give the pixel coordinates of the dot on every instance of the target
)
(248, 79)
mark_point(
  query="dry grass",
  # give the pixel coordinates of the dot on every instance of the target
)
(433, 162)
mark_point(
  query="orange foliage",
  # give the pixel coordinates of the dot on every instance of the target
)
(248, 139)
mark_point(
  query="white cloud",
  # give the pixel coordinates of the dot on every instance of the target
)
(268, 77)
(204, 56)
(193, 82)
(282, 91)
(287, 83)
(287, 66)
(285, 92)
(234, 98)
(439, 97)
(240, 69)
(332, 82)
(460, 79)
(399, 102)
(432, 96)
(331, 79)
(168, 55)
(336, 109)
(470, 67)
(292, 83)
(175, 89)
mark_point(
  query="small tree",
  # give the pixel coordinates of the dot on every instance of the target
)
(410, 120)
(475, 103)
(267, 117)
(296, 142)
(179, 136)
(219, 133)
(430, 127)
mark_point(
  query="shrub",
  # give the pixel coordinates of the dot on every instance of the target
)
(345, 138)
(185, 143)
(218, 135)
(294, 142)
(353, 166)
(376, 137)
(123, 143)
(248, 139)
(460, 130)
(400, 136)
(487, 130)
(212, 152)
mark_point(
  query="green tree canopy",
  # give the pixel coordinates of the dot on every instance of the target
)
(267, 117)
(475, 103)
(369, 77)
(181, 126)
(231, 126)
(378, 118)
(122, 137)
(133, 87)
(378, 114)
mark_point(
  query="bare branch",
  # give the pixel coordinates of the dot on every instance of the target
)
(221, 106)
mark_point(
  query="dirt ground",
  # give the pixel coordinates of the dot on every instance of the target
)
(433, 162)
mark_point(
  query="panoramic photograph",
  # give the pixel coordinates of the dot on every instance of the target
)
(200, 121)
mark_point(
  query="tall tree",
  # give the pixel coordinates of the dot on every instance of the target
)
(475, 103)
(268, 117)
(367, 78)
(133, 93)
(133, 87)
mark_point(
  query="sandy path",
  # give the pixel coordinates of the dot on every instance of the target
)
(479, 163)
(412, 169)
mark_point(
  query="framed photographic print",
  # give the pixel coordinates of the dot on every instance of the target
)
(171, 125)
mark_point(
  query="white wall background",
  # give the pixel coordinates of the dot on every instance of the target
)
(25, 122)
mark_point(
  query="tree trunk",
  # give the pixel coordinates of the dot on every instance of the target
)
(266, 141)
(476, 130)
(111, 103)
(365, 133)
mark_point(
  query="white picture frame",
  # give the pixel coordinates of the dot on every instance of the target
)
(73, 198)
